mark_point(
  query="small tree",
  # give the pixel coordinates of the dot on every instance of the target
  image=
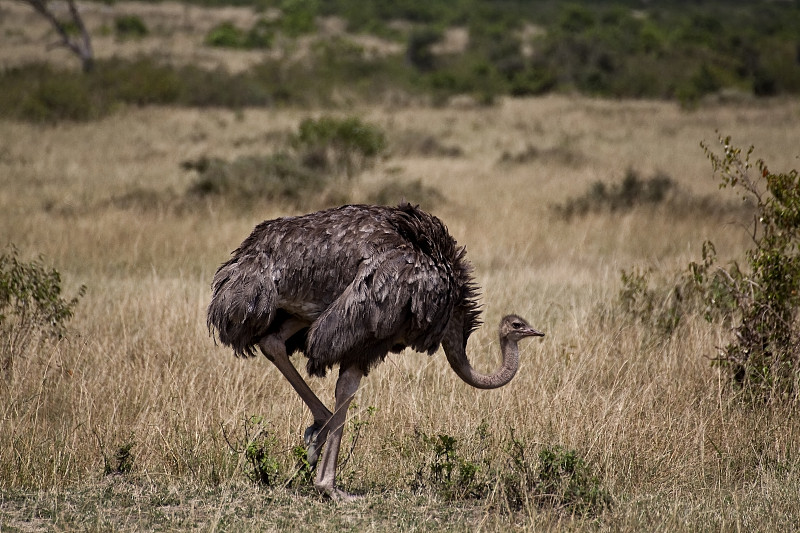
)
(72, 32)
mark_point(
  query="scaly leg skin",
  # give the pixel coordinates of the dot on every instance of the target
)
(274, 348)
(346, 387)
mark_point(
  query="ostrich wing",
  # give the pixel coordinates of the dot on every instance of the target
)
(398, 298)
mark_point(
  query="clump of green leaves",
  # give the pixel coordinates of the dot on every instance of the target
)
(227, 35)
(309, 175)
(762, 297)
(557, 478)
(277, 177)
(447, 472)
(631, 192)
(757, 300)
(303, 471)
(298, 17)
(414, 192)
(122, 460)
(341, 146)
(661, 307)
(32, 308)
(258, 452)
(418, 50)
(51, 98)
(257, 447)
(564, 480)
(130, 26)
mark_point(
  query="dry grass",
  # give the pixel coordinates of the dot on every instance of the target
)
(675, 450)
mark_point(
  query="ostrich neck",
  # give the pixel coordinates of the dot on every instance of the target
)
(455, 350)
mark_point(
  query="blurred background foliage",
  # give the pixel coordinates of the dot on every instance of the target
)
(677, 50)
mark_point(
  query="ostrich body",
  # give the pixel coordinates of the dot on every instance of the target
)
(345, 287)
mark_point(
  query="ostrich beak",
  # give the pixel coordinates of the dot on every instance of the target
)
(530, 332)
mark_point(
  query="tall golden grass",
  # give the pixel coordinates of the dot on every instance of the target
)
(104, 203)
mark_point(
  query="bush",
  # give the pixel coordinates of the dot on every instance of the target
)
(662, 307)
(418, 50)
(250, 178)
(298, 16)
(31, 306)
(632, 191)
(59, 98)
(336, 145)
(326, 149)
(260, 35)
(213, 88)
(130, 26)
(557, 478)
(447, 472)
(563, 479)
(122, 461)
(226, 35)
(142, 81)
(758, 301)
(763, 298)
(257, 447)
(414, 192)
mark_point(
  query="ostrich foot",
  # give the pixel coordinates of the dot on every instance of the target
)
(314, 438)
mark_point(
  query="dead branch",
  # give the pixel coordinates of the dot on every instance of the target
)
(80, 45)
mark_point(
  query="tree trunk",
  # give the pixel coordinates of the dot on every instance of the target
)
(80, 45)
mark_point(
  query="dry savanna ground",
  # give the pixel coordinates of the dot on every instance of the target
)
(128, 423)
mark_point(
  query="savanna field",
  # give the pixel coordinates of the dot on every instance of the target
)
(134, 419)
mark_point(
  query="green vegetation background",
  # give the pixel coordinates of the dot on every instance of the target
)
(679, 50)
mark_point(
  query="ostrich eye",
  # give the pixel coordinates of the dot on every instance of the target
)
(516, 325)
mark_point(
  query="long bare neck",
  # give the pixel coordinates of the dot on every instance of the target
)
(455, 350)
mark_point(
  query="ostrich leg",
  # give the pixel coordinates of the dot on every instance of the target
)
(274, 348)
(346, 387)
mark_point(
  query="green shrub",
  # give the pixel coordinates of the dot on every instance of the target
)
(632, 191)
(661, 307)
(263, 465)
(226, 35)
(130, 26)
(59, 98)
(122, 461)
(260, 35)
(557, 478)
(31, 306)
(143, 81)
(257, 447)
(757, 301)
(418, 51)
(335, 145)
(303, 471)
(251, 178)
(563, 479)
(325, 150)
(298, 16)
(219, 88)
(414, 192)
(762, 298)
(447, 472)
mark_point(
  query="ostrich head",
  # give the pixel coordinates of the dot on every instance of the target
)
(514, 328)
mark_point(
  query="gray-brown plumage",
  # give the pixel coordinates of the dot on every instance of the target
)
(346, 286)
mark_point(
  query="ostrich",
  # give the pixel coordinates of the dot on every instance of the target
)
(347, 286)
